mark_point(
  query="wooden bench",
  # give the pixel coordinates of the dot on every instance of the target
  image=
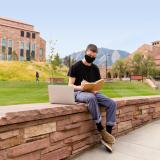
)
(136, 77)
(55, 80)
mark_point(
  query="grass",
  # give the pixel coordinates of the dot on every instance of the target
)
(127, 88)
(21, 92)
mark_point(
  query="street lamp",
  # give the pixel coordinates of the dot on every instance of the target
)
(107, 55)
(69, 61)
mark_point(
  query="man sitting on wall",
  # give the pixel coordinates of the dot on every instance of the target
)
(82, 71)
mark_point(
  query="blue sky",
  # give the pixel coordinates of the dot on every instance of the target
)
(112, 24)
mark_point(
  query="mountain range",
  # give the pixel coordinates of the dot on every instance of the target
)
(103, 55)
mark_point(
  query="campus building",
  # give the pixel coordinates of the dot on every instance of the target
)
(20, 41)
(156, 52)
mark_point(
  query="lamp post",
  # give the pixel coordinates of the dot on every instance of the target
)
(142, 67)
(69, 61)
(107, 55)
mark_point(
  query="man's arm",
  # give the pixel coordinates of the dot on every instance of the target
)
(71, 83)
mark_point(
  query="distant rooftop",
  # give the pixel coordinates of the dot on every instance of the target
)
(16, 24)
(14, 20)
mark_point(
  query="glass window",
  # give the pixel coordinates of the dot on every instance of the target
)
(9, 54)
(10, 43)
(3, 57)
(3, 42)
(28, 46)
(27, 55)
(33, 35)
(21, 55)
(22, 33)
(22, 45)
(41, 54)
(28, 35)
(33, 47)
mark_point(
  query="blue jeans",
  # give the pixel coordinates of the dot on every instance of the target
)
(96, 100)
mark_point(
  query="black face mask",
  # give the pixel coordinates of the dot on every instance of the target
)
(89, 59)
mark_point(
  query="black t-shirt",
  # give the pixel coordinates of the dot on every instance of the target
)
(81, 72)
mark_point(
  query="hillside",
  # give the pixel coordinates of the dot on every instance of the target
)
(26, 71)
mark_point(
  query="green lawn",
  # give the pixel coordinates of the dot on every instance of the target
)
(127, 88)
(20, 92)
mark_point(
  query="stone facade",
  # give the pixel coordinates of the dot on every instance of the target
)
(54, 131)
(19, 41)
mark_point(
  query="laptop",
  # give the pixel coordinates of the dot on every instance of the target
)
(61, 94)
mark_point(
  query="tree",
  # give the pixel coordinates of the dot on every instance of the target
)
(143, 64)
(57, 60)
(148, 66)
(137, 62)
(54, 58)
(68, 61)
(119, 68)
(14, 56)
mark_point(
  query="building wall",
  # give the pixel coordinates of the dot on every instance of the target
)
(156, 43)
(10, 30)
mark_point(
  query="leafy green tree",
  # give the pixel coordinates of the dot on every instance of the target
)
(119, 68)
(149, 66)
(143, 64)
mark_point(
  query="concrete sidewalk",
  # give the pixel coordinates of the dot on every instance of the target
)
(140, 144)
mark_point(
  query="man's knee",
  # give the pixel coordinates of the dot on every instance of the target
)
(114, 104)
(91, 97)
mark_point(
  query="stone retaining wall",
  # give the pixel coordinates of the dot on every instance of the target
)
(54, 132)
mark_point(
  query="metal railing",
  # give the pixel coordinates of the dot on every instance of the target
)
(156, 83)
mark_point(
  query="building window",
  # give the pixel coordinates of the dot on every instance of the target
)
(3, 42)
(28, 51)
(28, 46)
(3, 54)
(33, 35)
(9, 50)
(10, 43)
(22, 52)
(28, 55)
(9, 53)
(28, 35)
(22, 45)
(33, 47)
(22, 33)
(41, 54)
(3, 57)
(33, 52)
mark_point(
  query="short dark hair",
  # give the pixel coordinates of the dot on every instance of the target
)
(92, 47)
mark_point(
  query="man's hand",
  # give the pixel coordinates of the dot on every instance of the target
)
(82, 83)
